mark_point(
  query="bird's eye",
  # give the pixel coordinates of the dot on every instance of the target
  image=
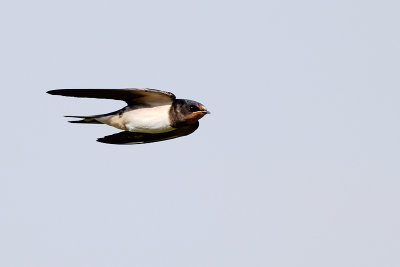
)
(193, 108)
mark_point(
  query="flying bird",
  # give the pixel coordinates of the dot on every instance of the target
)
(150, 115)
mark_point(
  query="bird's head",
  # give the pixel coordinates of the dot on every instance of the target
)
(185, 111)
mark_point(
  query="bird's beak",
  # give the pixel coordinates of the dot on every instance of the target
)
(203, 109)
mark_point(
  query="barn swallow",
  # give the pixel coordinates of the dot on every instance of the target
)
(150, 115)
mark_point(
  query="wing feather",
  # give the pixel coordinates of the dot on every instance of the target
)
(132, 96)
(126, 137)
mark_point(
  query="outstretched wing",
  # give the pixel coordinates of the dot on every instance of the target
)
(132, 96)
(127, 138)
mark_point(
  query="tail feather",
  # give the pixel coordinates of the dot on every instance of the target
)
(85, 119)
(92, 119)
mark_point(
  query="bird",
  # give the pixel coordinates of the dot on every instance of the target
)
(151, 115)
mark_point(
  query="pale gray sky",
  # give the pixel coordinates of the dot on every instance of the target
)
(298, 164)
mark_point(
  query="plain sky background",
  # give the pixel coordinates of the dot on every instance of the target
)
(298, 164)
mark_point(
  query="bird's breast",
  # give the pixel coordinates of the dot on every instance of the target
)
(147, 119)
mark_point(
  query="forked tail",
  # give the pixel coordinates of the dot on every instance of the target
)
(85, 119)
(92, 119)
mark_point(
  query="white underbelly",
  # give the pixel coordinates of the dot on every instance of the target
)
(142, 120)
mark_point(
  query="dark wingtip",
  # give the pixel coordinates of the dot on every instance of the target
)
(53, 92)
(104, 141)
